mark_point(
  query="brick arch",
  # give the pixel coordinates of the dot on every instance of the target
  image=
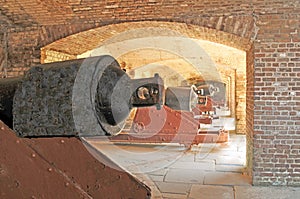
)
(76, 44)
(238, 36)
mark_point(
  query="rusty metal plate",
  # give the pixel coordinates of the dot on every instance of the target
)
(59, 168)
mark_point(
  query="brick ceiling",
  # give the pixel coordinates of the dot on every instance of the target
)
(80, 43)
(119, 37)
(41, 12)
(49, 12)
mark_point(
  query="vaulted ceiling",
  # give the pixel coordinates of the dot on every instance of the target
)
(50, 12)
(151, 47)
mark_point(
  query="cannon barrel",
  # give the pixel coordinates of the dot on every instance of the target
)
(83, 97)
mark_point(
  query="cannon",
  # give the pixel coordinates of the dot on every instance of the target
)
(83, 97)
(180, 125)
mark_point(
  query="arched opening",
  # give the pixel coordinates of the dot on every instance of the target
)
(229, 54)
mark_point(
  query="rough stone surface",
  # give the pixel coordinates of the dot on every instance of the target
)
(211, 192)
(201, 166)
(227, 178)
(169, 187)
(58, 99)
(174, 196)
(43, 102)
(184, 176)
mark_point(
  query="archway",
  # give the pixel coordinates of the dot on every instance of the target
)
(230, 53)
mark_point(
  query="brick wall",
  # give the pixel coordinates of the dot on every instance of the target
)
(272, 71)
(276, 94)
(24, 44)
(277, 113)
(54, 56)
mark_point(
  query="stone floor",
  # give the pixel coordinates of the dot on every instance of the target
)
(204, 171)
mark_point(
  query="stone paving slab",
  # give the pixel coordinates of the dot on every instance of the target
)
(174, 196)
(158, 172)
(206, 171)
(231, 168)
(207, 165)
(218, 154)
(253, 192)
(211, 192)
(235, 150)
(230, 160)
(226, 178)
(187, 157)
(204, 148)
(185, 176)
(156, 178)
(174, 188)
(226, 147)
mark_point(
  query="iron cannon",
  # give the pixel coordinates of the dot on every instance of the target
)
(83, 97)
